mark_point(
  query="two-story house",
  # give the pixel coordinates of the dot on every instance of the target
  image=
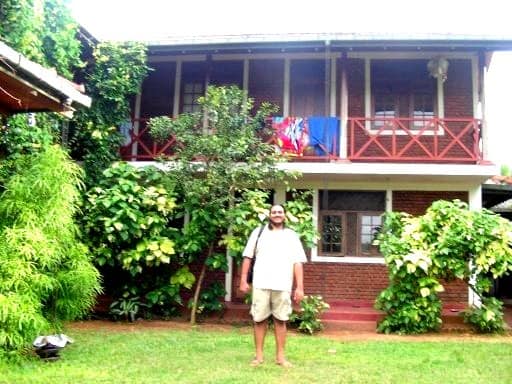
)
(374, 123)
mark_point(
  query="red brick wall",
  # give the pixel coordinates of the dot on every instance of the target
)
(458, 90)
(455, 292)
(355, 85)
(363, 283)
(416, 202)
(343, 281)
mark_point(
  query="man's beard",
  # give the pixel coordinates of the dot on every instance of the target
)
(274, 224)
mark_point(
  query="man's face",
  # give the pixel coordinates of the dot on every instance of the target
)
(277, 214)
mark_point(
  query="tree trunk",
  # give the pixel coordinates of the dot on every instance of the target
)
(199, 285)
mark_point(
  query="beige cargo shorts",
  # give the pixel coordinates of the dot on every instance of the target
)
(266, 302)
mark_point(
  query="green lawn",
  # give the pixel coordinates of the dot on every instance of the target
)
(205, 356)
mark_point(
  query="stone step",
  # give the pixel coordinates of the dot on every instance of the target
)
(360, 316)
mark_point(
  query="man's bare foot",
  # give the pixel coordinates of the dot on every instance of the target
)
(256, 362)
(284, 363)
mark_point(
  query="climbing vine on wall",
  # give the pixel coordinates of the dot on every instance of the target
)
(114, 74)
(45, 32)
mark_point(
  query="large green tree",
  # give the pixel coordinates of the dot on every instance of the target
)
(219, 153)
(43, 31)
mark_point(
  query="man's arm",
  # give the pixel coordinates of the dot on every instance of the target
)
(244, 286)
(299, 282)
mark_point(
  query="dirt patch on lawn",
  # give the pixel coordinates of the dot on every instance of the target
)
(341, 335)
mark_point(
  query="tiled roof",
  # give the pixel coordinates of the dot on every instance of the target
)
(500, 180)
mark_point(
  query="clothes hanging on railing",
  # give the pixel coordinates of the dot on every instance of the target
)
(324, 134)
(316, 135)
(291, 134)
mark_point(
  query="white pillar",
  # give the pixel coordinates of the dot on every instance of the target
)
(343, 110)
(136, 123)
(475, 203)
(177, 87)
(332, 98)
(286, 88)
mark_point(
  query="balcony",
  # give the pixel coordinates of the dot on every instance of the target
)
(385, 140)
(435, 140)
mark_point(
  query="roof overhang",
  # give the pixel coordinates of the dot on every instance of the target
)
(493, 194)
(332, 41)
(26, 86)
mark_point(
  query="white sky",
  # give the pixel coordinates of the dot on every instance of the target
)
(153, 19)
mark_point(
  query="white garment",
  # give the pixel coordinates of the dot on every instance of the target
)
(276, 253)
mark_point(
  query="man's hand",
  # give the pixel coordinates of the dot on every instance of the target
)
(244, 287)
(298, 295)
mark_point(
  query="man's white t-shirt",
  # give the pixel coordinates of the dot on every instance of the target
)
(277, 251)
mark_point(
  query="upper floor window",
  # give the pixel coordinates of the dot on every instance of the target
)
(422, 108)
(193, 80)
(402, 89)
(191, 92)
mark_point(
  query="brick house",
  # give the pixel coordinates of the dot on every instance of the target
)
(375, 123)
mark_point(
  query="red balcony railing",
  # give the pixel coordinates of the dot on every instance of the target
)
(453, 140)
(140, 146)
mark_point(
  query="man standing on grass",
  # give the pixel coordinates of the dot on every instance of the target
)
(279, 257)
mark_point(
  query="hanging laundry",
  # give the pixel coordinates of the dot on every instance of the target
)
(324, 133)
(291, 134)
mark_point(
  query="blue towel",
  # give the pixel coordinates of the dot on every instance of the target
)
(323, 134)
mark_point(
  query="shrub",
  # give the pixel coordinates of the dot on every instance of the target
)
(210, 299)
(487, 318)
(448, 242)
(307, 319)
(46, 275)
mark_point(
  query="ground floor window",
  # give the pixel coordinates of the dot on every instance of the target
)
(349, 222)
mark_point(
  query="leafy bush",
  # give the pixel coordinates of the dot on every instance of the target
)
(210, 299)
(307, 319)
(487, 318)
(46, 275)
(126, 307)
(448, 242)
(113, 76)
(126, 218)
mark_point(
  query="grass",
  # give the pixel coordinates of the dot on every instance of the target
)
(206, 356)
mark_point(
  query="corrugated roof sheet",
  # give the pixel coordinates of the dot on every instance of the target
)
(339, 37)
